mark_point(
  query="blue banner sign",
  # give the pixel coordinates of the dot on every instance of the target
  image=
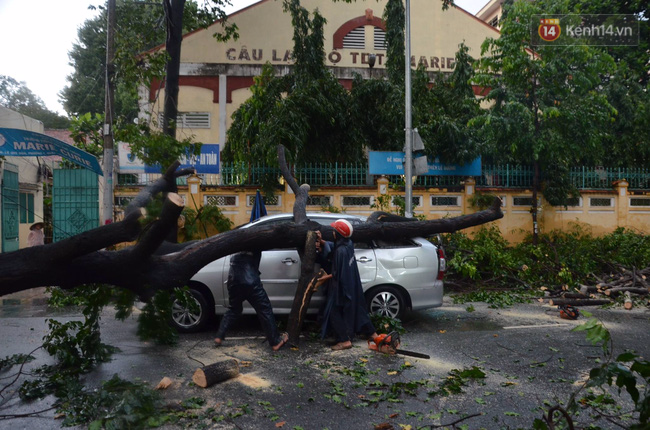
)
(25, 143)
(392, 163)
(205, 163)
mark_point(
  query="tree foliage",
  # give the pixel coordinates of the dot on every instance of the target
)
(307, 111)
(441, 109)
(140, 27)
(16, 96)
(548, 110)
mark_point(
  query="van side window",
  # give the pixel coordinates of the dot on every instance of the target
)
(395, 243)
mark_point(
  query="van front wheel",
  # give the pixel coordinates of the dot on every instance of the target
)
(193, 316)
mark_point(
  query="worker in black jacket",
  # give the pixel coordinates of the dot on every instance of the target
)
(244, 283)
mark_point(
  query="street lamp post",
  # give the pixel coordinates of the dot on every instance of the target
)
(408, 147)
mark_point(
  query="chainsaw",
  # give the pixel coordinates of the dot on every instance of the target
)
(390, 343)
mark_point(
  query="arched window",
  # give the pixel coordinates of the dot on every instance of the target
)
(351, 35)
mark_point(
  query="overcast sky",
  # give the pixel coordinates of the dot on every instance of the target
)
(37, 35)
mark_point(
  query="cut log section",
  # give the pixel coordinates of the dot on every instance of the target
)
(628, 304)
(217, 372)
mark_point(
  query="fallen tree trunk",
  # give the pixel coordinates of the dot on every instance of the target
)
(216, 372)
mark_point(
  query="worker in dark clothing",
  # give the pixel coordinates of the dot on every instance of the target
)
(244, 284)
(345, 310)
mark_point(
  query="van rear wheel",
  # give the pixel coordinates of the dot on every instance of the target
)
(386, 301)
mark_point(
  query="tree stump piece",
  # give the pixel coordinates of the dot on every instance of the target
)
(217, 372)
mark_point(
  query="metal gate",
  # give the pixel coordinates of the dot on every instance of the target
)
(75, 202)
(10, 207)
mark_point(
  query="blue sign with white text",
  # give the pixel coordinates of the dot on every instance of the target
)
(392, 163)
(25, 143)
(207, 162)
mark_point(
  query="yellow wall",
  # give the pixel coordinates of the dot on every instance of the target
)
(515, 224)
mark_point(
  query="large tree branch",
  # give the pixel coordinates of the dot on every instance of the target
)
(119, 268)
(301, 192)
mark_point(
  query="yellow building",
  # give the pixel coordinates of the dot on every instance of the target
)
(215, 78)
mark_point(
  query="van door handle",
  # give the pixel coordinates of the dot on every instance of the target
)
(289, 260)
(364, 259)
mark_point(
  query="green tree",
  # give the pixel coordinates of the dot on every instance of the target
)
(140, 27)
(628, 138)
(16, 96)
(307, 111)
(440, 109)
(547, 108)
(627, 143)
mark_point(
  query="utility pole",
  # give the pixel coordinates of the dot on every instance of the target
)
(109, 101)
(408, 147)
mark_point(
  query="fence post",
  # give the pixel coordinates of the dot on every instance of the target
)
(622, 202)
(194, 188)
(470, 189)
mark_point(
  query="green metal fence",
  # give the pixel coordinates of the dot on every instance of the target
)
(356, 174)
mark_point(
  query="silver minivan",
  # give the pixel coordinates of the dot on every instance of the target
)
(396, 276)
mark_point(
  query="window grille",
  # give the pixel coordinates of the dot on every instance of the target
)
(415, 200)
(355, 39)
(639, 201)
(319, 200)
(523, 201)
(445, 201)
(122, 201)
(601, 202)
(380, 39)
(571, 202)
(356, 200)
(494, 21)
(268, 201)
(190, 119)
(574, 201)
(221, 200)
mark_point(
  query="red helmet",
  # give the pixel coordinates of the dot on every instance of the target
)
(343, 227)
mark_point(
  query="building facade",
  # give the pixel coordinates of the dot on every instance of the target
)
(215, 77)
(22, 187)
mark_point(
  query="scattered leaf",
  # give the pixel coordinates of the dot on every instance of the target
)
(392, 372)
(443, 331)
(393, 415)
(280, 424)
(384, 426)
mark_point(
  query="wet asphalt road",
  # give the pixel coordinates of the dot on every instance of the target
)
(530, 358)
